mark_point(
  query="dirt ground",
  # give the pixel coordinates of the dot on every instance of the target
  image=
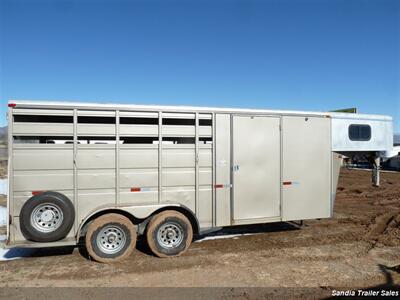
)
(359, 247)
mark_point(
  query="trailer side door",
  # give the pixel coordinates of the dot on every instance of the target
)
(306, 161)
(256, 168)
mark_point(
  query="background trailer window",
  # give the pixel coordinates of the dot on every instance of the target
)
(359, 132)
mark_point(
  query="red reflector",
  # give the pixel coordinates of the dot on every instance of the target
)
(12, 105)
(287, 183)
(135, 189)
(34, 193)
(218, 186)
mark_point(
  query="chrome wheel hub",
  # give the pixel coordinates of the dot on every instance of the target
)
(46, 217)
(111, 239)
(170, 235)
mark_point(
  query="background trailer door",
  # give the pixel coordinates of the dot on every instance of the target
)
(256, 168)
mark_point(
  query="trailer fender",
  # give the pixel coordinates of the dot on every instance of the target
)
(137, 213)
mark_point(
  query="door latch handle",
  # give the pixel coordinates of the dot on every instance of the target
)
(236, 168)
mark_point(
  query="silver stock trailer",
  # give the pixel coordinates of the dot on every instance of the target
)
(102, 174)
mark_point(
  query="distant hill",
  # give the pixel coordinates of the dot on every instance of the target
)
(396, 139)
(3, 134)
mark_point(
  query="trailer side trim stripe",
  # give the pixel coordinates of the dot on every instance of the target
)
(220, 186)
(290, 183)
(34, 193)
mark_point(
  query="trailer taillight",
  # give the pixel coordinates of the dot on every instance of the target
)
(12, 105)
(34, 193)
(135, 189)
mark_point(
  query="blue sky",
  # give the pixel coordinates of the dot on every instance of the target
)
(288, 54)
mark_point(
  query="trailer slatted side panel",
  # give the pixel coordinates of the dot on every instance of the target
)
(95, 160)
(42, 156)
(138, 157)
(47, 136)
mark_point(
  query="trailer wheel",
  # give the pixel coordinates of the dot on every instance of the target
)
(169, 233)
(110, 238)
(47, 217)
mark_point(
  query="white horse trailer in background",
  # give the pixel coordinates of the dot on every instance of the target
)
(101, 174)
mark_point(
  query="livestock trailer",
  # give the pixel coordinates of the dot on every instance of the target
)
(102, 174)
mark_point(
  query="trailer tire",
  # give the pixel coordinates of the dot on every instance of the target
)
(47, 217)
(169, 233)
(110, 238)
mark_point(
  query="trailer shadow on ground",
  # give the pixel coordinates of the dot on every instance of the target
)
(218, 233)
(16, 253)
(229, 232)
(251, 229)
